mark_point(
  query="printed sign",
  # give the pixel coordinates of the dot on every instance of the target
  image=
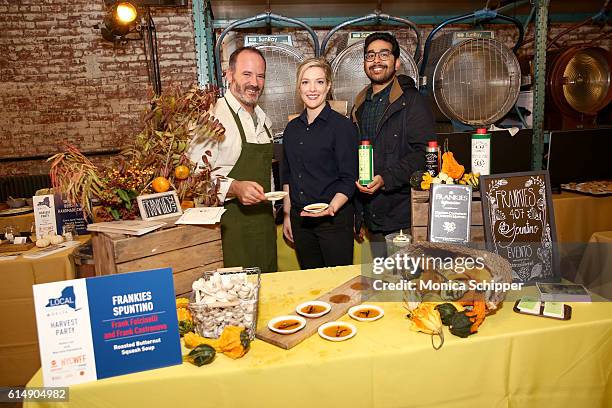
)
(460, 36)
(450, 213)
(520, 225)
(250, 40)
(106, 326)
(44, 215)
(53, 212)
(67, 213)
(159, 205)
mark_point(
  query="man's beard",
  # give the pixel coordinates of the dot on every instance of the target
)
(240, 94)
(384, 79)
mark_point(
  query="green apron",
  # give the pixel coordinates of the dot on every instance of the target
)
(248, 231)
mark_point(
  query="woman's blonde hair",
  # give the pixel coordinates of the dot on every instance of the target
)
(314, 63)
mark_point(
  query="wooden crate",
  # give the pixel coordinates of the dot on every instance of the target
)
(420, 216)
(189, 250)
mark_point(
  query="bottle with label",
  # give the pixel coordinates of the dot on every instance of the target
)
(366, 163)
(481, 152)
(432, 158)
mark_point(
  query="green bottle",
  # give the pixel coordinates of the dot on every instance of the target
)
(366, 163)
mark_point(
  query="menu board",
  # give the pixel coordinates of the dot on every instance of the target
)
(519, 224)
(450, 213)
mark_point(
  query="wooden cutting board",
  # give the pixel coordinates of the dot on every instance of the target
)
(342, 298)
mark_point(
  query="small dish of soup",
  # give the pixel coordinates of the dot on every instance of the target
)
(313, 309)
(366, 313)
(337, 331)
(287, 324)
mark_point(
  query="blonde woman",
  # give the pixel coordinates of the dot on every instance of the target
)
(319, 166)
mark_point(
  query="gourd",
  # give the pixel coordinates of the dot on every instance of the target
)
(201, 355)
(447, 311)
(460, 324)
(451, 167)
(234, 341)
(416, 178)
(42, 243)
(56, 239)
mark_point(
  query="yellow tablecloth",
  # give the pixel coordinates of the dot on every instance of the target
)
(19, 356)
(514, 361)
(578, 216)
(595, 270)
(21, 222)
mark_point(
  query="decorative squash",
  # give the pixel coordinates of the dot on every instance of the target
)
(426, 319)
(234, 341)
(182, 303)
(451, 167)
(427, 179)
(446, 310)
(201, 355)
(460, 324)
(416, 178)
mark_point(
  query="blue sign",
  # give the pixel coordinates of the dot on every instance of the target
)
(67, 213)
(133, 322)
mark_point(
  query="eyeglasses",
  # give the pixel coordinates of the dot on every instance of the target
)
(383, 55)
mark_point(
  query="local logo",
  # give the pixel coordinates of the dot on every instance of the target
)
(45, 201)
(67, 298)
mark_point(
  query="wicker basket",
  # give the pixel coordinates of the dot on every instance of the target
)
(211, 318)
(499, 268)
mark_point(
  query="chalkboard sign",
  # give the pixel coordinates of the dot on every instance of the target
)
(450, 213)
(159, 205)
(520, 225)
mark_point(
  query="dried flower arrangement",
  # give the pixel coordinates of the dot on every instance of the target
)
(156, 161)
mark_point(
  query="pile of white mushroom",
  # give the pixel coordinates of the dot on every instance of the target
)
(223, 300)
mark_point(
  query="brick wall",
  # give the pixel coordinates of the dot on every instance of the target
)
(61, 80)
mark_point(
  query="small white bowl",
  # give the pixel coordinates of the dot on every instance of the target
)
(301, 306)
(353, 310)
(275, 195)
(330, 338)
(316, 208)
(300, 319)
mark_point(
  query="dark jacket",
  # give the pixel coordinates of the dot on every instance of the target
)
(399, 150)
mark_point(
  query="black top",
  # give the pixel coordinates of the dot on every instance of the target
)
(319, 159)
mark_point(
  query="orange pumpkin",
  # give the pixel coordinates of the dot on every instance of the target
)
(160, 184)
(181, 172)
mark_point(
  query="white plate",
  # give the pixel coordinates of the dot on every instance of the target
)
(316, 208)
(326, 305)
(288, 317)
(354, 309)
(347, 325)
(275, 195)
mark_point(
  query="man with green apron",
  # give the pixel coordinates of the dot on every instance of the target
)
(244, 162)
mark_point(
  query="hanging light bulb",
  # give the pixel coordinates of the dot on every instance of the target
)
(125, 12)
(120, 20)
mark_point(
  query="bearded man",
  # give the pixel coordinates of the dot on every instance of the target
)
(243, 165)
(398, 122)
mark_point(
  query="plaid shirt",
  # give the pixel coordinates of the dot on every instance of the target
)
(373, 108)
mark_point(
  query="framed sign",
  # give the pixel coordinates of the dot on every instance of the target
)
(106, 326)
(159, 205)
(520, 225)
(450, 213)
